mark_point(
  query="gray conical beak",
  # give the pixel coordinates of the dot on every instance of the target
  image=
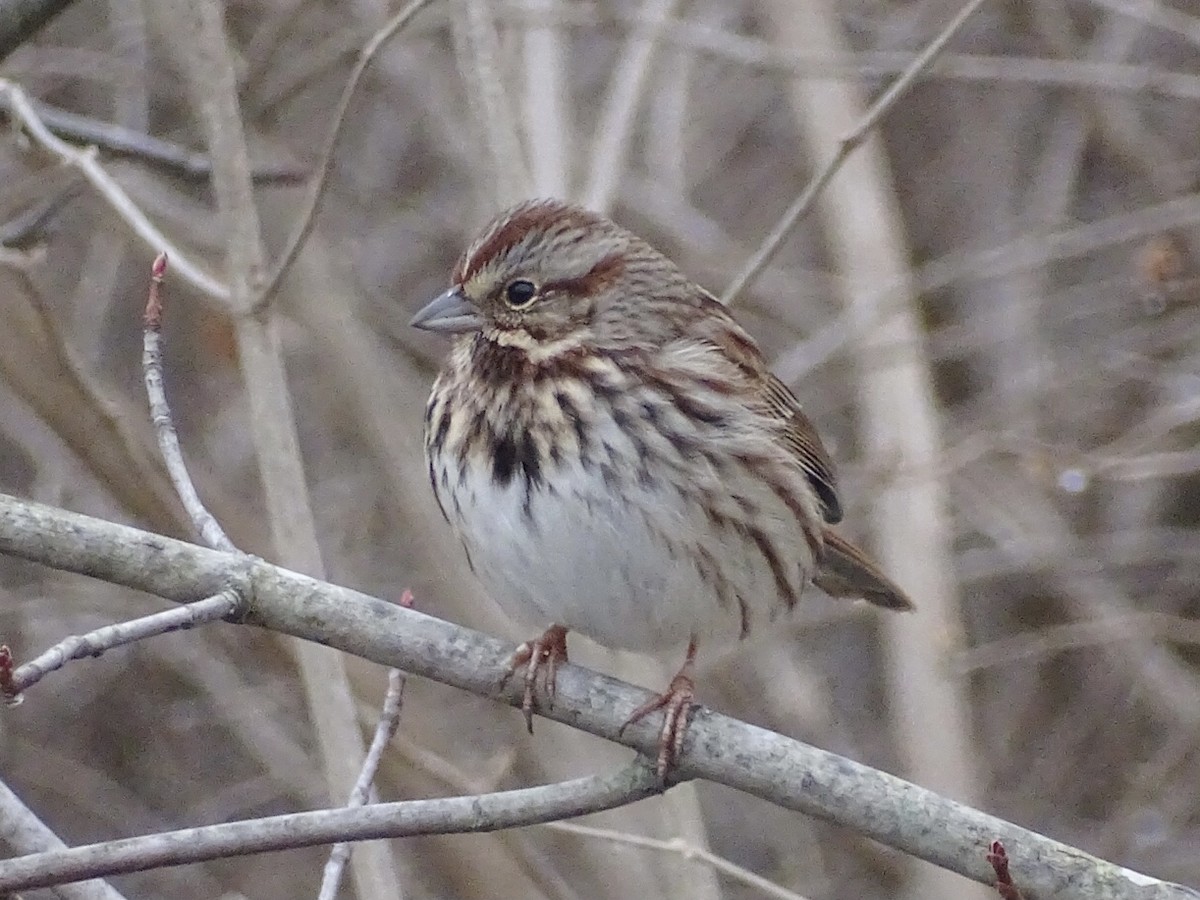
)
(449, 313)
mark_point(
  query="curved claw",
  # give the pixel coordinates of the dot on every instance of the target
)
(676, 702)
(539, 657)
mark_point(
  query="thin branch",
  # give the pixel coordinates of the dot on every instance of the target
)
(121, 141)
(94, 643)
(316, 188)
(213, 81)
(385, 730)
(203, 521)
(688, 851)
(105, 185)
(847, 145)
(23, 832)
(756, 53)
(751, 759)
(20, 20)
(448, 815)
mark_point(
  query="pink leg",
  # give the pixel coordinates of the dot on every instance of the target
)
(676, 704)
(539, 657)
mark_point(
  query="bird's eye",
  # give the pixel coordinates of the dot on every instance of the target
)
(520, 294)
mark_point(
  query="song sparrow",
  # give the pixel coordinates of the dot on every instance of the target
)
(615, 457)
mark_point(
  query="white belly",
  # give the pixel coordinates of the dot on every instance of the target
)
(633, 572)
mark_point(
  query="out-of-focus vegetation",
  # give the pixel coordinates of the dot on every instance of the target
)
(1046, 173)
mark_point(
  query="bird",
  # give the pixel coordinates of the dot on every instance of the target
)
(617, 460)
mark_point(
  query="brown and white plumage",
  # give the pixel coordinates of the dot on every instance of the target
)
(611, 449)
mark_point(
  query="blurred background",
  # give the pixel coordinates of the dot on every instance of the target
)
(1014, 257)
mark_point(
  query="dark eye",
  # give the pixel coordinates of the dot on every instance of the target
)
(520, 293)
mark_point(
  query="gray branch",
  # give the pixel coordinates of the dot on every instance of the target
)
(721, 749)
(448, 815)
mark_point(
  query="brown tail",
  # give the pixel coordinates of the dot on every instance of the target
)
(846, 572)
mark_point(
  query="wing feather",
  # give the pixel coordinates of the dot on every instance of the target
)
(799, 433)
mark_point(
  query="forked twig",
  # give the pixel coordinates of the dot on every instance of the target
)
(98, 177)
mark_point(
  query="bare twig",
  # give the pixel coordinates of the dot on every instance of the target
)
(846, 146)
(783, 771)
(203, 521)
(104, 184)
(94, 643)
(121, 141)
(448, 815)
(688, 851)
(213, 80)
(316, 189)
(385, 730)
(23, 832)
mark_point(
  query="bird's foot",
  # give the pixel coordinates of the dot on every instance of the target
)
(540, 658)
(676, 703)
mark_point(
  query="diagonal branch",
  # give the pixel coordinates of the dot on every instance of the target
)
(848, 144)
(768, 765)
(23, 111)
(94, 643)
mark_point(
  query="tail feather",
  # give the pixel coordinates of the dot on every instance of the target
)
(846, 571)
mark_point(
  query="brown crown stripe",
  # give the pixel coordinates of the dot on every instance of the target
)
(540, 215)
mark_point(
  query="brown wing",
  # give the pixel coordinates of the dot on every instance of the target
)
(800, 435)
(802, 440)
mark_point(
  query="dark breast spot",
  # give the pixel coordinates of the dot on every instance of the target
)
(516, 454)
